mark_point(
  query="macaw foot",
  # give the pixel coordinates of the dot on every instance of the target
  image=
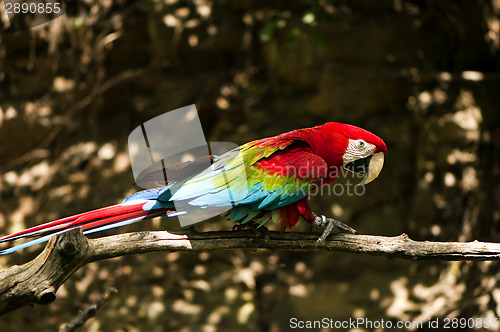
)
(261, 232)
(328, 224)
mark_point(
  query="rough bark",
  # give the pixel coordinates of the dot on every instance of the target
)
(38, 280)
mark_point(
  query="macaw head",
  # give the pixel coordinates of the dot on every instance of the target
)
(352, 148)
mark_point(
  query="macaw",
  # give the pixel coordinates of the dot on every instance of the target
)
(280, 173)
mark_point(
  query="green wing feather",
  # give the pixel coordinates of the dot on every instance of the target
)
(239, 178)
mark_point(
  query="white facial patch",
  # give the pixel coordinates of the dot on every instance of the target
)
(357, 149)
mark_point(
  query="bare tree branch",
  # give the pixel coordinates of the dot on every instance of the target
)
(38, 280)
(88, 312)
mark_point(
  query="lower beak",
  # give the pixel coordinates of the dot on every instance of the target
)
(369, 166)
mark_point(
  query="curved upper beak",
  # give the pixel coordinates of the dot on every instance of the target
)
(369, 166)
(374, 168)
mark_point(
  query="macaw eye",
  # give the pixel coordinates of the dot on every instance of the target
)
(361, 145)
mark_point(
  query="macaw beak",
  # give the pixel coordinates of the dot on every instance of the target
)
(369, 166)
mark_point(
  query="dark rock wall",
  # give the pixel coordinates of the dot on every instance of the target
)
(423, 75)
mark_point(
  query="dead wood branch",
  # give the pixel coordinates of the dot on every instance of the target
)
(38, 280)
(89, 312)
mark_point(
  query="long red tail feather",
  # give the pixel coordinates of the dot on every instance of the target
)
(99, 219)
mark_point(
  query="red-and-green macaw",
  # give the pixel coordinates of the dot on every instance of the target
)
(280, 173)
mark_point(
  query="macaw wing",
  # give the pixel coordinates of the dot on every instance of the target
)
(284, 178)
(262, 177)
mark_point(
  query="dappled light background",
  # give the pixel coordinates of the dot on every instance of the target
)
(423, 75)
